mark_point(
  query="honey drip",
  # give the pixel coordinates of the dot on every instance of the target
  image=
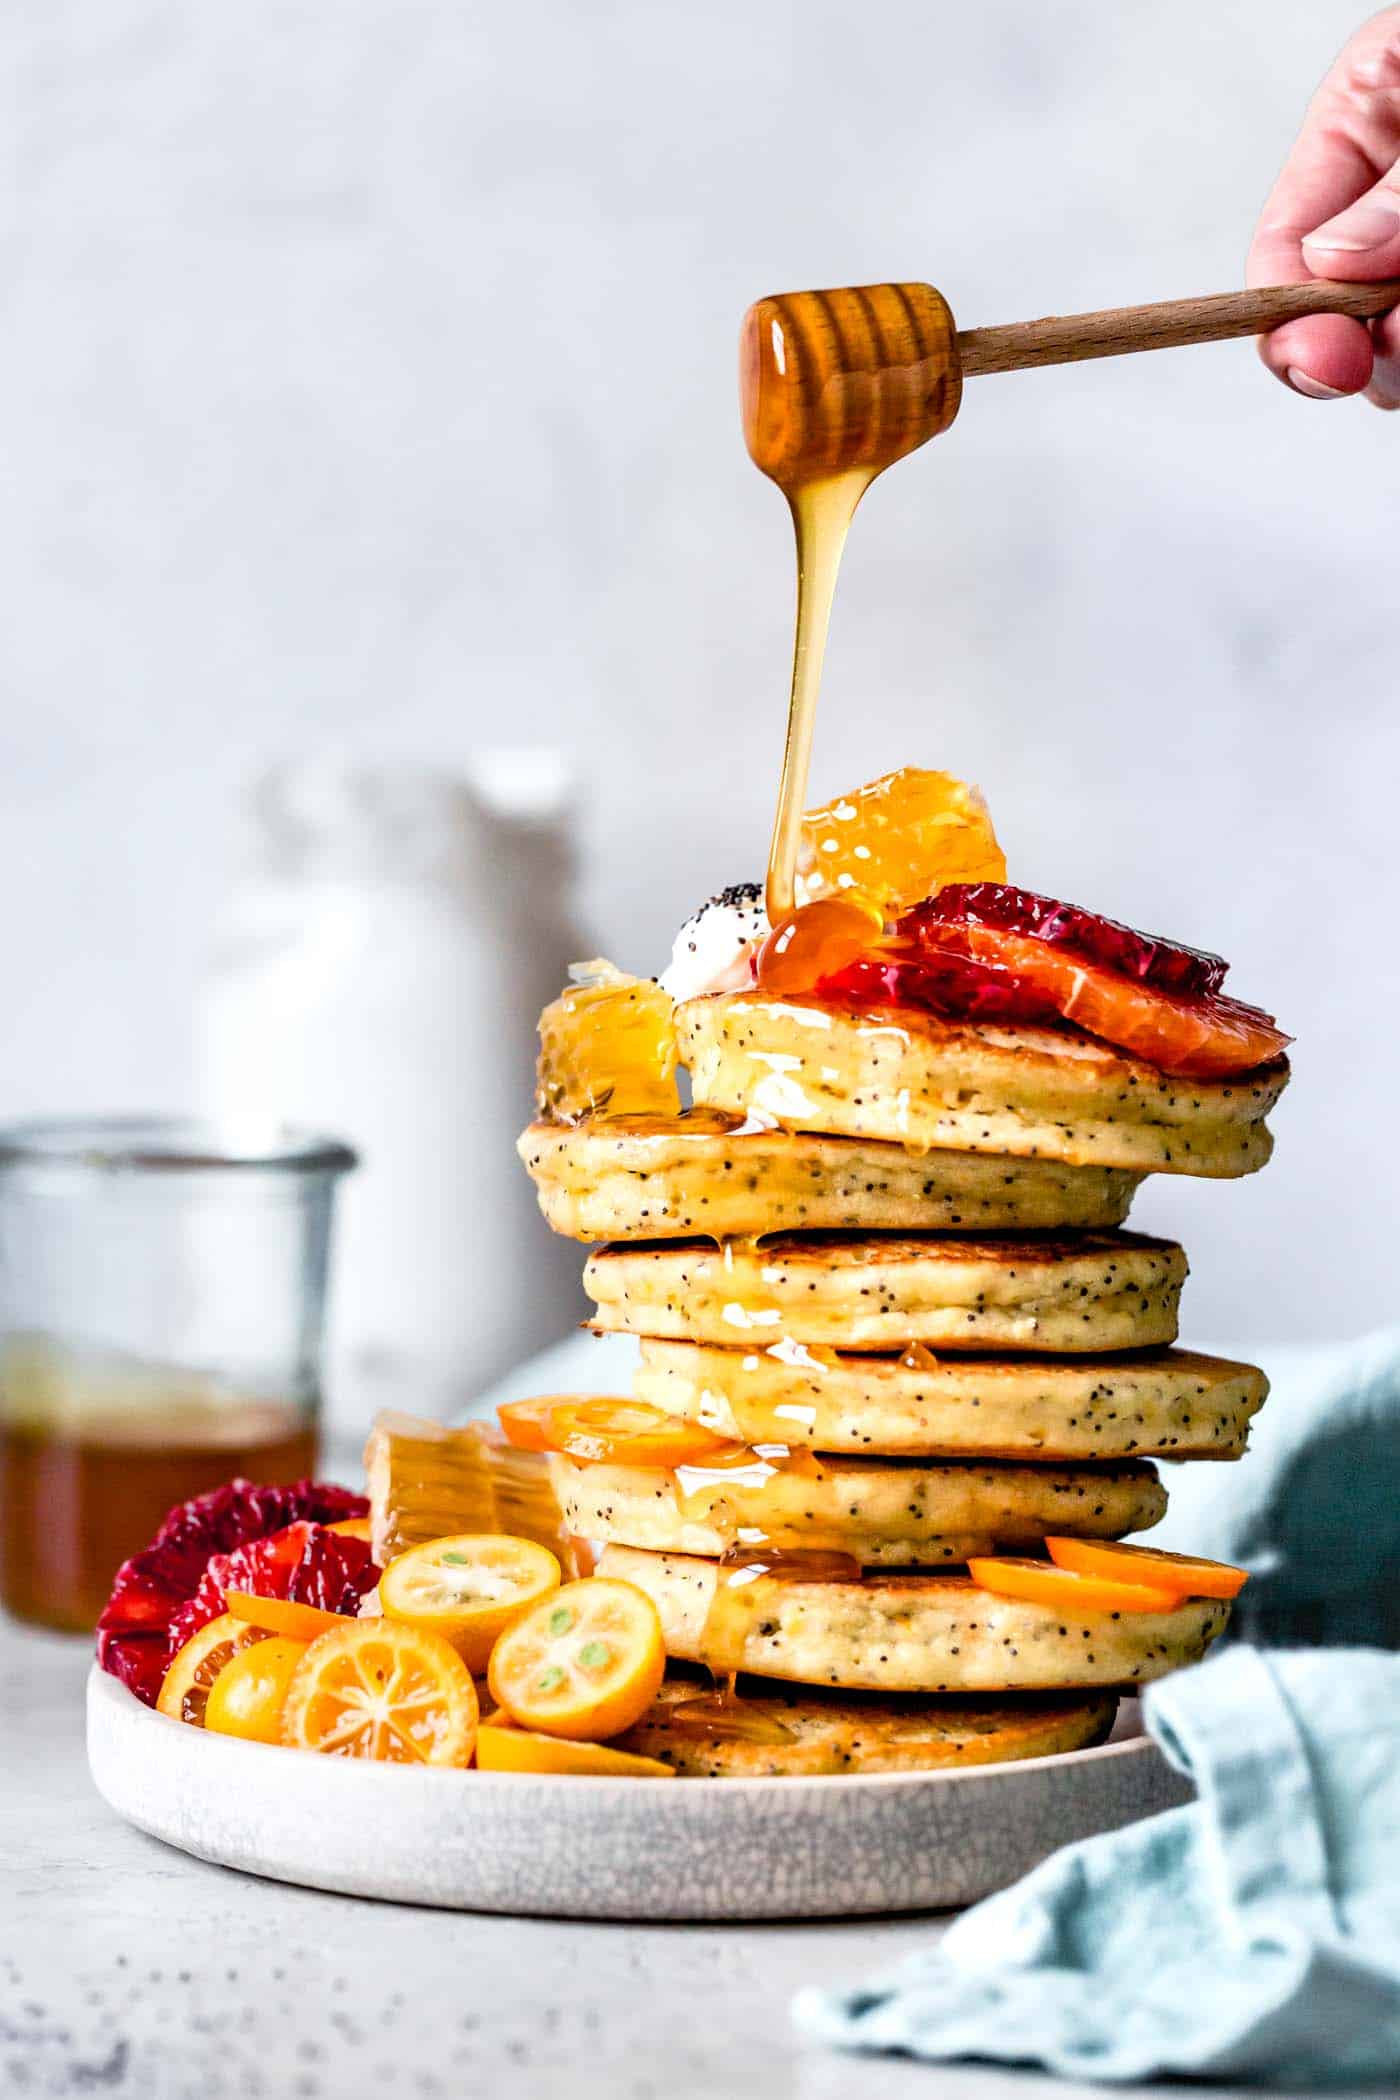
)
(835, 387)
(724, 1715)
(741, 1600)
(821, 515)
(714, 1493)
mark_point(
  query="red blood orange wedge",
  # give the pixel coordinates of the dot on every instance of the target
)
(1169, 966)
(1209, 1037)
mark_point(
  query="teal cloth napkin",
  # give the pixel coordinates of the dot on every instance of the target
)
(1253, 1935)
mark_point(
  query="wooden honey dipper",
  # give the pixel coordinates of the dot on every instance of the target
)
(836, 386)
(837, 380)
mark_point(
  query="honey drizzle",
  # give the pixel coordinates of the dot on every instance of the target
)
(835, 386)
(821, 516)
(739, 1599)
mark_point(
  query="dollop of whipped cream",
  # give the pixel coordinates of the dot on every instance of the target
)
(711, 949)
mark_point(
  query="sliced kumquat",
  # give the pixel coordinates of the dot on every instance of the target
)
(299, 1622)
(633, 1433)
(353, 1528)
(1076, 1596)
(521, 1750)
(585, 1663)
(468, 1589)
(247, 1696)
(525, 1423)
(1182, 1573)
(189, 1680)
(375, 1689)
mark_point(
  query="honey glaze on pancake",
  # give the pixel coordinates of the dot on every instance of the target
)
(737, 1604)
(760, 1420)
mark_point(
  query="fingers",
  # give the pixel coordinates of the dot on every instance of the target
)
(1335, 212)
(1384, 390)
(1325, 356)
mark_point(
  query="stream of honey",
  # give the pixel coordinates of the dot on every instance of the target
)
(835, 386)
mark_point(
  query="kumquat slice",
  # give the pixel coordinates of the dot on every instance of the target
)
(468, 1589)
(525, 1423)
(190, 1678)
(521, 1750)
(378, 1690)
(1076, 1596)
(585, 1663)
(633, 1433)
(299, 1622)
(247, 1696)
(1182, 1573)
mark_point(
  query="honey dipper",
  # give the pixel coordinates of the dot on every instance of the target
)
(840, 380)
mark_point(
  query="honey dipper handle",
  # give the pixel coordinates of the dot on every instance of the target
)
(1064, 339)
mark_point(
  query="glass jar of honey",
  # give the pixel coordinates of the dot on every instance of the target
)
(162, 1290)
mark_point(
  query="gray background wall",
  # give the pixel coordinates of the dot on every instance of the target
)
(368, 378)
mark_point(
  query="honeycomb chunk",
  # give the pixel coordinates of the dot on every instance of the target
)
(607, 1046)
(897, 841)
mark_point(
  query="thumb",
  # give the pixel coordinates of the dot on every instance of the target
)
(1362, 242)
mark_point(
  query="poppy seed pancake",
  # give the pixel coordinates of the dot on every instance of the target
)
(1158, 1403)
(1088, 1291)
(778, 1731)
(900, 1633)
(908, 1077)
(883, 1512)
(650, 1178)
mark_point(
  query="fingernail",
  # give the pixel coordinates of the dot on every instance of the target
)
(1304, 383)
(1353, 232)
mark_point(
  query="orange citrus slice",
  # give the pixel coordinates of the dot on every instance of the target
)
(525, 1423)
(1179, 1572)
(299, 1622)
(190, 1677)
(468, 1589)
(374, 1689)
(1077, 1596)
(246, 1697)
(585, 1663)
(520, 1750)
(897, 840)
(353, 1528)
(632, 1433)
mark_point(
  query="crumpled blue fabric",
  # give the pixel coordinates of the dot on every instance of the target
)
(1254, 1934)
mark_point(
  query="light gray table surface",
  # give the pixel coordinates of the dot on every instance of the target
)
(127, 1968)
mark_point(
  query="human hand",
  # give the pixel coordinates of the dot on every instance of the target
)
(1335, 212)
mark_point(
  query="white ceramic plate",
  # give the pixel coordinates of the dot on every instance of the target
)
(613, 1848)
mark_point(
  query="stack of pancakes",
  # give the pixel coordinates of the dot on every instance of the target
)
(885, 1252)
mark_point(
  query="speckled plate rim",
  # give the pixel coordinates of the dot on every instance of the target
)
(593, 1847)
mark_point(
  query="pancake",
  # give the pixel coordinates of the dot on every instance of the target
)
(1164, 1403)
(907, 1633)
(898, 1513)
(1078, 1293)
(1025, 1092)
(772, 1732)
(651, 1177)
